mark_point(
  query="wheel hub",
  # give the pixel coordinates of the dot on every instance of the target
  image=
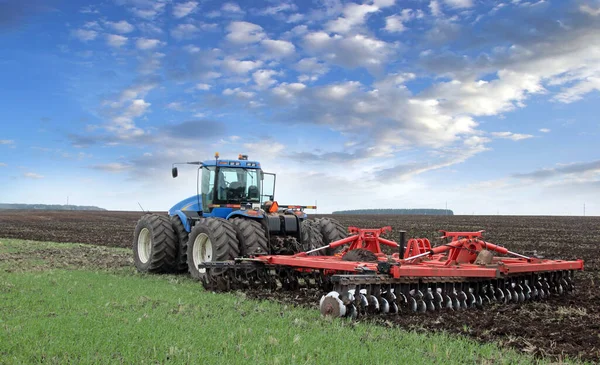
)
(202, 251)
(144, 245)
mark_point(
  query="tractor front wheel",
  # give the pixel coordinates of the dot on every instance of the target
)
(154, 244)
(213, 239)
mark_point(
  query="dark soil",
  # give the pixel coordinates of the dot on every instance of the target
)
(76, 257)
(557, 327)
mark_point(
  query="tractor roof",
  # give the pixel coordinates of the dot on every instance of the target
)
(233, 163)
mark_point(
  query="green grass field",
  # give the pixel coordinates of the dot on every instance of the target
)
(78, 313)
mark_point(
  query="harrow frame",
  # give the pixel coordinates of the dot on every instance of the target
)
(461, 273)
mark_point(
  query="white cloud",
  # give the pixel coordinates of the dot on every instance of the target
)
(459, 4)
(89, 10)
(125, 108)
(181, 10)
(244, 33)
(184, 31)
(238, 92)
(544, 130)
(84, 35)
(384, 3)
(122, 26)
(511, 135)
(2, 164)
(175, 105)
(295, 18)
(115, 167)
(230, 7)
(579, 89)
(435, 8)
(395, 23)
(480, 98)
(585, 8)
(354, 15)
(288, 91)
(146, 43)
(7, 141)
(280, 8)
(351, 52)
(277, 48)
(240, 66)
(192, 49)
(147, 9)
(133, 92)
(264, 78)
(213, 14)
(33, 175)
(115, 40)
(123, 124)
(337, 92)
(92, 25)
(202, 86)
(311, 69)
(149, 28)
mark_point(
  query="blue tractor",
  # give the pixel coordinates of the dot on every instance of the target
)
(233, 215)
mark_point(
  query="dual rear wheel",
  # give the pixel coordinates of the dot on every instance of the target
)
(154, 244)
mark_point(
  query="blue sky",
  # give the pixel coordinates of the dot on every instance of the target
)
(488, 106)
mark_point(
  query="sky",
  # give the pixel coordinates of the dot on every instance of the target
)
(486, 107)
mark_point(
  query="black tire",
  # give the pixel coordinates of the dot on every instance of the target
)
(154, 244)
(311, 237)
(223, 241)
(251, 236)
(360, 255)
(182, 240)
(332, 231)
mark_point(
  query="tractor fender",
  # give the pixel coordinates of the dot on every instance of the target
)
(187, 208)
(184, 220)
(193, 203)
(254, 214)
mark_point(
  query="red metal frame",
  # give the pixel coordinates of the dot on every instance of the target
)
(453, 259)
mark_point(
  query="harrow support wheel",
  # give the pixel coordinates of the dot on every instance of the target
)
(154, 244)
(182, 238)
(213, 239)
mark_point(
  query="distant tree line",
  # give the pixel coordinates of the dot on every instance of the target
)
(397, 211)
(48, 207)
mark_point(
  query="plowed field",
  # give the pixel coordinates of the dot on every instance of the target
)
(556, 327)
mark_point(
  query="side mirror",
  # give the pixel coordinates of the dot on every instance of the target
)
(174, 172)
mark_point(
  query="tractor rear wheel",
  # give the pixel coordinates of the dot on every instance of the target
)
(154, 244)
(252, 236)
(212, 239)
(182, 236)
(332, 231)
(311, 236)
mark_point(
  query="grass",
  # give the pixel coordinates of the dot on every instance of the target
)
(80, 315)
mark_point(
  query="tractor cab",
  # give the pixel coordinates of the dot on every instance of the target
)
(231, 182)
(226, 186)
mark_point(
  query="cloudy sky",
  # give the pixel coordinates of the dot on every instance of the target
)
(486, 106)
